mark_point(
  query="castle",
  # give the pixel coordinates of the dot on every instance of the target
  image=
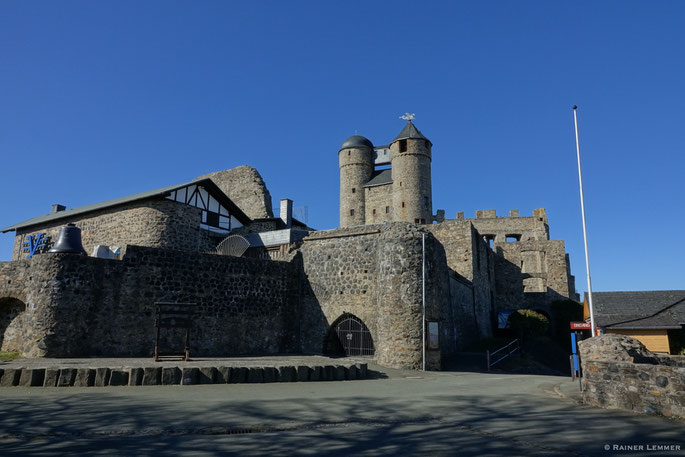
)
(392, 278)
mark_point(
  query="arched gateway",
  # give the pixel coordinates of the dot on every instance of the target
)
(349, 336)
(11, 313)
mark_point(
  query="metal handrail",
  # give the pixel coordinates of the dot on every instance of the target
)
(489, 354)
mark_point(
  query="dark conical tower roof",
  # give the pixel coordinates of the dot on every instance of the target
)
(410, 131)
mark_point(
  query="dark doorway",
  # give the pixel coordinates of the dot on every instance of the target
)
(349, 336)
(11, 310)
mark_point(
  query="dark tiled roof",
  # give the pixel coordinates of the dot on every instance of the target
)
(410, 131)
(642, 309)
(207, 183)
(379, 178)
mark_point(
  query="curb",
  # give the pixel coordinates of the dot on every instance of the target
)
(176, 376)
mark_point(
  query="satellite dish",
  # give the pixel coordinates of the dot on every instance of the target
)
(233, 245)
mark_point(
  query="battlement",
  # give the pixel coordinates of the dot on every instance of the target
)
(491, 213)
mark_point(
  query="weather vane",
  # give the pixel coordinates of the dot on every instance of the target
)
(408, 116)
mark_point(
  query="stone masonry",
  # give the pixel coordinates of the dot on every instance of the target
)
(245, 187)
(620, 373)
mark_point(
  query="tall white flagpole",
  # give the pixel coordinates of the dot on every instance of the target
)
(582, 207)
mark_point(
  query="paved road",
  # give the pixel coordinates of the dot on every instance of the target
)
(407, 413)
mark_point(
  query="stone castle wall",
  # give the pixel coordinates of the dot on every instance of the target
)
(472, 261)
(378, 198)
(157, 223)
(374, 273)
(84, 306)
(620, 373)
(525, 228)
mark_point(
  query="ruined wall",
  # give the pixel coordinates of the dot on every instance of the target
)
(158, 223)
(374, 273)
(620, 373)
(470, 258)
(84, 306)
(532, 272)
(245, 187)
(534, 227)
(378, 198)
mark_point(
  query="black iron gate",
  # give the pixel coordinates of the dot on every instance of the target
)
(354, 337)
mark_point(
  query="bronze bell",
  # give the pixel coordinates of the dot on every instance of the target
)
(69, 240)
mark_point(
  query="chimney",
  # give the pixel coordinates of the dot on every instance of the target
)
(56, 208)
(287, 212)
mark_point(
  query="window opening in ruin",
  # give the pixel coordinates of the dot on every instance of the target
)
(403, 145)
(387, 209)
(349, 153)
(425, 201)
(416, 221)
(349, 336)
(512, 238)
(490, 240)
(402, 204)
(354, 190)
(374, 211)
(351, 212)
(423, 221)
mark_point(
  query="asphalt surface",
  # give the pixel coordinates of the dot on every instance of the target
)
(402, 413)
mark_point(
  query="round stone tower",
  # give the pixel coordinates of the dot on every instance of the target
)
(356, 165)
(410, 156)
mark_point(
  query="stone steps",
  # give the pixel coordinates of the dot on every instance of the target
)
(174, 375)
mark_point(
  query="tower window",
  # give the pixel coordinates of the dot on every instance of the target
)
(402, 204)
(403, 145)
(349, 153)
(428, 145)
(387, 210)
(374, 211)
(354, 190)
(351, 212)
(425, 201)
(400, 183)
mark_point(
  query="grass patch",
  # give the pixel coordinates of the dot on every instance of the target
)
(7, 356)
(488, 344)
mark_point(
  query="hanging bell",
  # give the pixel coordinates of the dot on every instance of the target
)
(69, 240)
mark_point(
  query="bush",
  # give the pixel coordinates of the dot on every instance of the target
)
(528, 324)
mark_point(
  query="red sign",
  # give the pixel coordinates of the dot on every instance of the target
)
(580, 326)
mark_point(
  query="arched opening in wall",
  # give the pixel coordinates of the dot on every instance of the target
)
(348, 336)
(11, 312)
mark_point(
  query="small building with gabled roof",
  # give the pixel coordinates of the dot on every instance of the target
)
(192, 216)
(647, 315)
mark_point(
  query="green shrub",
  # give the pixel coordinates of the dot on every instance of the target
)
(528, 324)
(7, 356)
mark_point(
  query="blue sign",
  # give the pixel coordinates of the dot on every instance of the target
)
(34, 243)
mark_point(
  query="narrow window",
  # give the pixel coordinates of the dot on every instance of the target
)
(351, 212)
(403, 145)
(374, 211)
(425, 201)
(354, 190)
(400, 183)
(387, 210)
(349, 153)
(416, 221)
(402, 204)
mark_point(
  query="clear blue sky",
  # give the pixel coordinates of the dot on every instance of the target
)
(100, 100)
